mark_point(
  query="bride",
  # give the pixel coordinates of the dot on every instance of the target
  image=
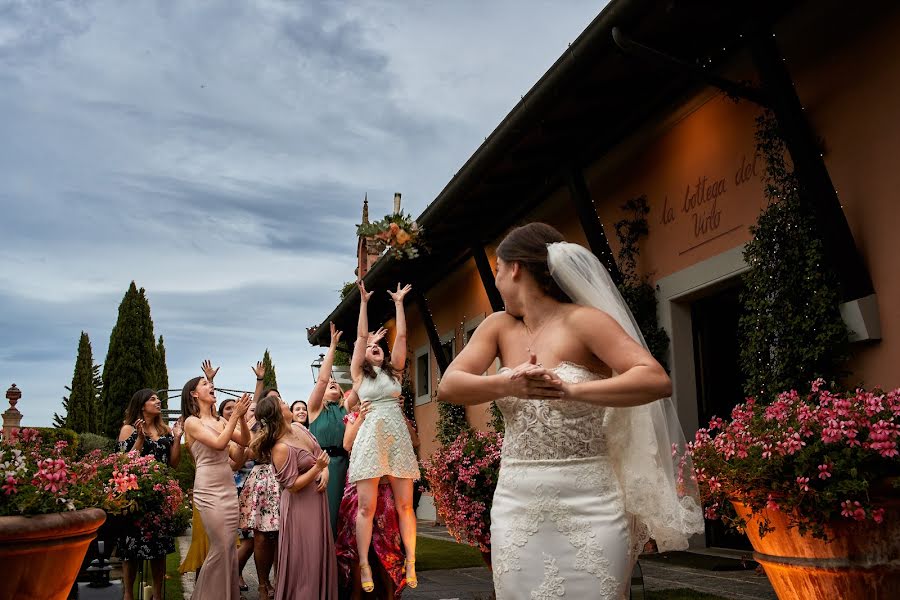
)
(592, 463)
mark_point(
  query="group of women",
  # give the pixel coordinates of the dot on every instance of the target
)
(591, 466)
(297, 487)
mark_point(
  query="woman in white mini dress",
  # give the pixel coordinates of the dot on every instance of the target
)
(382, 446)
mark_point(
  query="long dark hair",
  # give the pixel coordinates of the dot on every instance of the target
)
(527, 245)
(271, 428)
(368, 369)
(135, 411)
(189, 406)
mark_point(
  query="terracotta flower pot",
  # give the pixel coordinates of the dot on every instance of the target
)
(862, 562)
(41, 555)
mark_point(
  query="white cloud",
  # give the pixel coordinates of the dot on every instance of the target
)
(217, 154)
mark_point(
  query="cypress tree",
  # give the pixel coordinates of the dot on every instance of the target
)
(162, 373)
(81, 406)
(269, 378)
(131, 361)
(60, 420)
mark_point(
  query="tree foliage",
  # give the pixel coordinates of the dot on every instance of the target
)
(636, 289)
(269, 379)
(82, 406)
(162, 373)
(791, 329)
(131, 360)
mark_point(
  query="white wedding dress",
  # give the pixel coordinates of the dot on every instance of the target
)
(558, 522)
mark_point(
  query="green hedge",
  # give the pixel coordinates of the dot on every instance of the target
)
(184, 472)
(51, 435)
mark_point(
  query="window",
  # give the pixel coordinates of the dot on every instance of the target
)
(423, 375)
(448, 346)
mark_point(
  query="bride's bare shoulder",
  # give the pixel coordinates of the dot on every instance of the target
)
(588, 316)
(498, 320)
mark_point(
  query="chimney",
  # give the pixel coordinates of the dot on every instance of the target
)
(397, 203)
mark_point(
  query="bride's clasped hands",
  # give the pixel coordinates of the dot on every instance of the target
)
(532, 381)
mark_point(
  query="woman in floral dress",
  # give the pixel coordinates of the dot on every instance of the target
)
(259, 500)
(144, 431)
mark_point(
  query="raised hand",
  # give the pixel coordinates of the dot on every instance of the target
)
(259, 370)
(363, 294)
(400, 294)
(178, 428)
(139, 427)
(322, 461)
(241, 406)
(376, 337)
(208, 370)
(335, 335)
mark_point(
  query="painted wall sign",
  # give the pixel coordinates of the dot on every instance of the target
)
(699, 207)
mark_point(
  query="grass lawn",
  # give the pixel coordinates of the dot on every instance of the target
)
(680, 594)
(173, 577)
(438, 554)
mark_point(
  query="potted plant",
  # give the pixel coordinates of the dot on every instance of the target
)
(48, 515)
(51, 506)
(811, 479)
(462, 477)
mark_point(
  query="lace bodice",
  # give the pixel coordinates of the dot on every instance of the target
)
(555, 429)
(382, 388)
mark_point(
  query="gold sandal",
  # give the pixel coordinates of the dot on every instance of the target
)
(412, 582)
(367, 584)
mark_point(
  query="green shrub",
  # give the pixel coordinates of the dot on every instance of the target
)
(184, 472)
(88, 442)
(51, 435)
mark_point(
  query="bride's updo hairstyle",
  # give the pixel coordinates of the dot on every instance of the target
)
(527, 245)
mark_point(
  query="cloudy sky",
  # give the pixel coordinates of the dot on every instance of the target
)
(217, 153)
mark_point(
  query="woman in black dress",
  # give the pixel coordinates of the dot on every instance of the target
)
(145, 432)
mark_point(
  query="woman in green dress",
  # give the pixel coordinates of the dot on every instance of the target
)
(326, 423)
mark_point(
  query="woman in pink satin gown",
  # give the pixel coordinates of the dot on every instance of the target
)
(215, 495)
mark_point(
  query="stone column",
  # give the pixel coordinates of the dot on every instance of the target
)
(12, 417)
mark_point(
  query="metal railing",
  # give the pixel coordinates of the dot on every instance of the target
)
(173, 414)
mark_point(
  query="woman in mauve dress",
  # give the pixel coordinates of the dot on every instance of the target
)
(306, 565)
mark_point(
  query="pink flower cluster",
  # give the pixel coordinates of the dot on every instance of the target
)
(815, 457)
(462, 477)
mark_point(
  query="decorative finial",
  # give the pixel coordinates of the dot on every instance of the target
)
(365, 216)
(13, 394)
(397, 203)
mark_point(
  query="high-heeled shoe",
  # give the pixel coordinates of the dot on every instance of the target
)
(411, 582)
(367, 584)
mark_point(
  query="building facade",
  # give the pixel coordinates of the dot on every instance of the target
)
(671, 133)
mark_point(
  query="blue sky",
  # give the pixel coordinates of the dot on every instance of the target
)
(217, 153)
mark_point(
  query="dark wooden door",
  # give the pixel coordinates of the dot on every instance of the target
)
(719, 380)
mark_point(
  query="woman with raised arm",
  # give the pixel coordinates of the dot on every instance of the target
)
(215, 494)
(307, 568)
(326, 422)
(259, 502)
(382, 446)
(145, 432)
(591, 465)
